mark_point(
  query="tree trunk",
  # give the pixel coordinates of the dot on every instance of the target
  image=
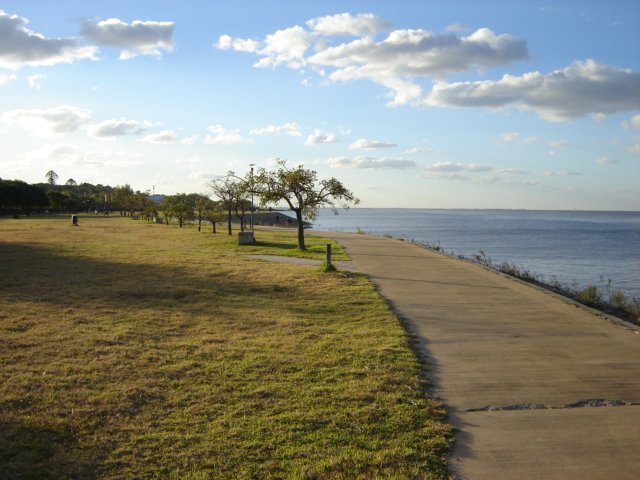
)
(301, 244)
(229, 221)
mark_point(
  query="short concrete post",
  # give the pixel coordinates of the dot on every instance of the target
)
(328, 254)
(246, 237)
(74, 220)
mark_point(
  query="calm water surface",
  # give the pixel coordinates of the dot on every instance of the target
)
(587, 248)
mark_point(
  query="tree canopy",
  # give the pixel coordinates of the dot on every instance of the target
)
(232, 192)
(16, 194)
(51, 177)
(302, 191)
(180, 206)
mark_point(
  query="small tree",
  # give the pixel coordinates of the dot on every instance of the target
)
(303, 193)
(148, 207)
(199, 206)
(231, 193)
(51, 177)
(213, 212)
(125, 198)
(178, 206)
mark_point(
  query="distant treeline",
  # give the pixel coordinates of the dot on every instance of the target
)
(19, 197)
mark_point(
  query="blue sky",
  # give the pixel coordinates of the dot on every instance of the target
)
(425, 104)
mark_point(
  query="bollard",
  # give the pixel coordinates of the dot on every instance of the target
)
(246, 238)
(74, 220)
(328, 254)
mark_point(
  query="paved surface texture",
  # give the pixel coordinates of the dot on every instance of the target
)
(538, 388)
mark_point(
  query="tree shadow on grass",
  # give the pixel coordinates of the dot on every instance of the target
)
(43, 452)
(47, 295)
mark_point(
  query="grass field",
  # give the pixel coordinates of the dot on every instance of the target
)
(131, 350)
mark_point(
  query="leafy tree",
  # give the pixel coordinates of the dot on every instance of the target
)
(148, 207)
(303, 193)
(57, 200)
(51, 177)
(231, 191)
(214, 212)
(127, 200)
(199, 207)
(71, 183)
(16, 194)
(179, 206)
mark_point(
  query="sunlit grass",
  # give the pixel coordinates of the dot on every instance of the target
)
(135, 350)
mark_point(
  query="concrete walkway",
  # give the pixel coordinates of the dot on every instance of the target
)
(529, 380)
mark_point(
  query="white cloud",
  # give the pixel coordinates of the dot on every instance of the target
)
(225, 42)
(607, 161)
(7, 77)
(34, 81)
(449, 170)
(20, 47)
(548, 143)
(371, 163)
(561, 174)
(487, 180)
(407, 54)
(53, 151)
(287, 128)
(344, 24)
(633, 149)
(223, 136)
(190, 162)
(283, 47)
(165, 136)
(563, 95)
(202, 175)
(392, 62)
(51, 121)
(515, 136)
(509, 137)
(137, 38)
(319, 136)
(105, 159)
(472, 167)
(370, 145)
(444, 167)
(110, 129)
(634, 123)
(443, 175)
(190, 140)
(512, 171)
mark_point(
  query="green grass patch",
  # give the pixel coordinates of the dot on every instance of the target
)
(135, 350)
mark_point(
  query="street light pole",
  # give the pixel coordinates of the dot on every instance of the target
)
(252, 165)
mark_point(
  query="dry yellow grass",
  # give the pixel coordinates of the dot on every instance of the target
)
(135, 350)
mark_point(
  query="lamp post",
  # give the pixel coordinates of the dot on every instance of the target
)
(252, 165)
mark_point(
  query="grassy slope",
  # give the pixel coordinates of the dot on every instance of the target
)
(134, 350)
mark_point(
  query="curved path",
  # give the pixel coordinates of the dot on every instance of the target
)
(538, 388)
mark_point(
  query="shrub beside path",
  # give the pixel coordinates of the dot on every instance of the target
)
(538, 388)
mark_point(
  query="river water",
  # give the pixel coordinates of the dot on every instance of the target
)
(573, 248)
